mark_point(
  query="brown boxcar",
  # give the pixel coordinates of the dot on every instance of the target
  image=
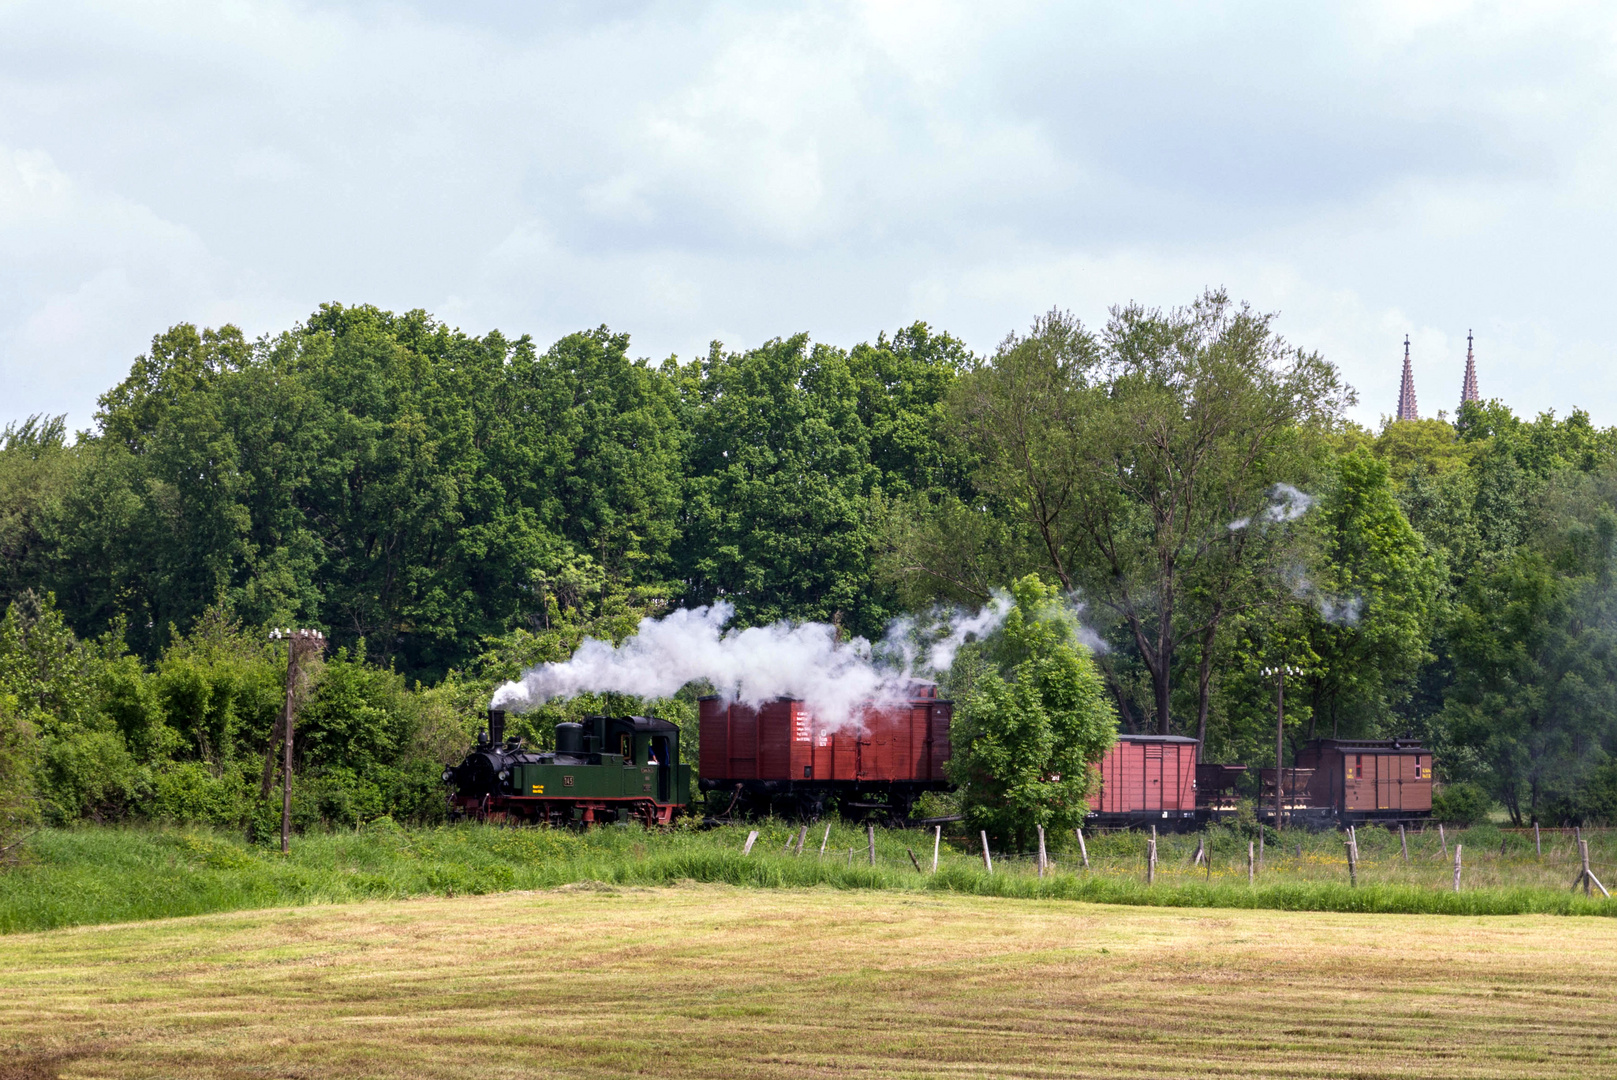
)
(1369, 780)
(777, 758)
(1147, 779)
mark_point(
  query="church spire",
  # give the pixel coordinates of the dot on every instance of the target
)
(1406, 392)
(1468, 389)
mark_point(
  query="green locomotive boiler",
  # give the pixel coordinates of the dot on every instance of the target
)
(609, 768)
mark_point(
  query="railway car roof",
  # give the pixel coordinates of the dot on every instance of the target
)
(1156, 738)
(642, 723)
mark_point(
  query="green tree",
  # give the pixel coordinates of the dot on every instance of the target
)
(1141, 467)
(1530, 711)
(781, 522)
(52, 680)
(1370, 609)
(37, 468)
(1031, 718)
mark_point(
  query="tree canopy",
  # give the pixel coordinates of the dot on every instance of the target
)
(449, 508)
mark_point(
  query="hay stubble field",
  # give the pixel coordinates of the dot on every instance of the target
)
(591, 981)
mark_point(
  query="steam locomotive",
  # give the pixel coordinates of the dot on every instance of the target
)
(608, 768)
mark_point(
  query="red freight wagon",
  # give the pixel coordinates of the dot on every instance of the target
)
(1369, 779)
(1147, 779)
(777, 758)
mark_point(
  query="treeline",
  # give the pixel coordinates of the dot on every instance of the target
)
(448, 508)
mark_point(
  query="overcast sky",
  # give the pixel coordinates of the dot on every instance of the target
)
(691, 172)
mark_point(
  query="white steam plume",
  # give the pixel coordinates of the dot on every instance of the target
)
(1086, 636)
(1288, 504)
(758, 664)
(1338, 611)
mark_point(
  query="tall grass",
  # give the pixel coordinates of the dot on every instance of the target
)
(97, 875)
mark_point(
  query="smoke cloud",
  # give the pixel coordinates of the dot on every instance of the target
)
(1287, 504)
(1338, 611)
(836, 679)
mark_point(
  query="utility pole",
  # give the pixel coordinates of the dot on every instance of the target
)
(1280, 674)
(300, 644)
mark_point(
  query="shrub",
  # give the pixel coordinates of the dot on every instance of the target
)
(335, 797)
(89, 774)
(1461, 804)
(1597, 802)
(1032, 720)
(190, 792)
(19, 811)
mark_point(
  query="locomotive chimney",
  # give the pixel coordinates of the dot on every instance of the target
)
(496, 726)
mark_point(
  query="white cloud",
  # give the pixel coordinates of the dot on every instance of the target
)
(729, 170)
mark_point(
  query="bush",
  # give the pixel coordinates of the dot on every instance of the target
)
(1597, 803)
(89, 774)
(190, 793)
(936, 804)
(1460, 804)
(335, 797)
(415, 793)
(19, 811)
(1033, 718)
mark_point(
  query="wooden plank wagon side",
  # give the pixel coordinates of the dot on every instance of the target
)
(1146, 780)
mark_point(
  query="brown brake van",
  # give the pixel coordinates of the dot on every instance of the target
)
(1370, 779)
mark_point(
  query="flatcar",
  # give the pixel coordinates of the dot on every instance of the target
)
(778, 758)
(608, 768)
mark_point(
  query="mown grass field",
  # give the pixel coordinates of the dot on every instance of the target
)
(719, 981)
(98, 875)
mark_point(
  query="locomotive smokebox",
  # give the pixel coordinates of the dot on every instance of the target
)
(496, 726)
(569, 738)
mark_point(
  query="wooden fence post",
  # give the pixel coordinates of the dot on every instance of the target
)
(872, 830)
(825, 841)
(1261, 835)
(1403, 842)
(746, 849)
(1457, 847)
(1151, 858)
(1083, 849)
(1251, 861)
(802, 835)
(1353, 863)
(1201, 851)
(1589, 875)
(1443, 839)
(1044, 859)
(914, 860)
(988, 860)
(1586, 876)
(937, 842)
(1353, 834)
(1538, 845)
